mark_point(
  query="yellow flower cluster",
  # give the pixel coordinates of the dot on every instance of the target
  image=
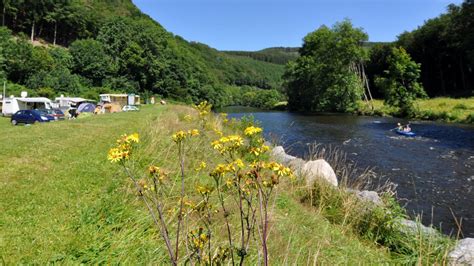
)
(204, 190)
(199, 238)
(182, 135)
(204, 108)
(259, 150)
(250, 131)
(228, 143)
(222, 169)
(279, 169)
(123, 150)
(224, 118)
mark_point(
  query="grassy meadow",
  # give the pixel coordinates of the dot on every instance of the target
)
(62, 201)
(443, 109)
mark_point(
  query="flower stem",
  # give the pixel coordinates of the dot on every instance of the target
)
(162, 225)
(180, 214)
(229, 235)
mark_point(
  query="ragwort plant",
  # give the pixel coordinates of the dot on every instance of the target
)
(241, 178)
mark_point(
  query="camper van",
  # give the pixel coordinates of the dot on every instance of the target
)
(12, 104)
(120, 99)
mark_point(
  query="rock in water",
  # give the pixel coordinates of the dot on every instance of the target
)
(463, 253)
(319, 169)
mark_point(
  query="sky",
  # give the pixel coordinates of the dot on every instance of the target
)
(252, 25)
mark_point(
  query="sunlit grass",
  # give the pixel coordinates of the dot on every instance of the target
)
(444, 109)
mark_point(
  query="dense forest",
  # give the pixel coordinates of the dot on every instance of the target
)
(85, 47)
(444, 46)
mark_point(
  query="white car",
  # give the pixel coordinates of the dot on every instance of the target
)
(128, 108)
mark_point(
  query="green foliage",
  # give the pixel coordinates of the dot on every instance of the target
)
(323, 79)
(91, 61)
(400, 82)
(445, 48)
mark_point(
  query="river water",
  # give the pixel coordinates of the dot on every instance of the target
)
(434, 171)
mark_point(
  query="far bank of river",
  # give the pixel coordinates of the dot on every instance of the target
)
(434, 171)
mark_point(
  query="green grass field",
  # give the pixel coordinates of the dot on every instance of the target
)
(442, 109)
(62, 201)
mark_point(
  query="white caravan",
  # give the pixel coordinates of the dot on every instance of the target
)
(13, 104)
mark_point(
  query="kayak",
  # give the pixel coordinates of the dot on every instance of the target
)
(408, 134)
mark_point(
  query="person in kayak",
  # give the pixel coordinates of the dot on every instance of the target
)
(407, 128)
(399, 127)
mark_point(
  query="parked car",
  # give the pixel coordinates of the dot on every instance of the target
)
(57, 114)
(128, 108)
(47, 113)
(29, 117)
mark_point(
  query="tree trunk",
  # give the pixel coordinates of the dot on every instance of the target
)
(3, 16)
(443, 83)
(33, 31)
(55, 32)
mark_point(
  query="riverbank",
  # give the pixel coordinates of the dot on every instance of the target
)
(64, 202)
(435, 109)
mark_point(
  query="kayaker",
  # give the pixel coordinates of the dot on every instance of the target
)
(407, 128)
(400, 127)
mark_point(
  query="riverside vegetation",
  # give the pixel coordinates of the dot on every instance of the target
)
(104, 218)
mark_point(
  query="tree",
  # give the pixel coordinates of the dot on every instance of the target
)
(323, 78)
(90, 60)
(400, 83)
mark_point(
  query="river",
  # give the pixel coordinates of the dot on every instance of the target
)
(434, 171)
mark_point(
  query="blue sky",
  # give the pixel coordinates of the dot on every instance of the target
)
(256, 24)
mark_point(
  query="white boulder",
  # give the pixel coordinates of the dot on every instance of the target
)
(319, 169)
(279, 154)
(463, 253)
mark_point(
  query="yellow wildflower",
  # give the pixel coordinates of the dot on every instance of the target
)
(114, 155)
(249, 131)
(179, 136)
(239, 163)
(204, 190)
(133, 138)
(193, 132)
(201, 166)
(153, 169)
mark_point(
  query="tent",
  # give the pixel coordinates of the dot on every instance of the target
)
(86, 108)
(112, 108)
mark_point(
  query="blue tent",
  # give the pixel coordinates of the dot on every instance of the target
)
(86, 108)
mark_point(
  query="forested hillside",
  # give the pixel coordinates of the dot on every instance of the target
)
(276, 55)
(83, 47)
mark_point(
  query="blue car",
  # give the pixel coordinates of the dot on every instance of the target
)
(30, 117)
